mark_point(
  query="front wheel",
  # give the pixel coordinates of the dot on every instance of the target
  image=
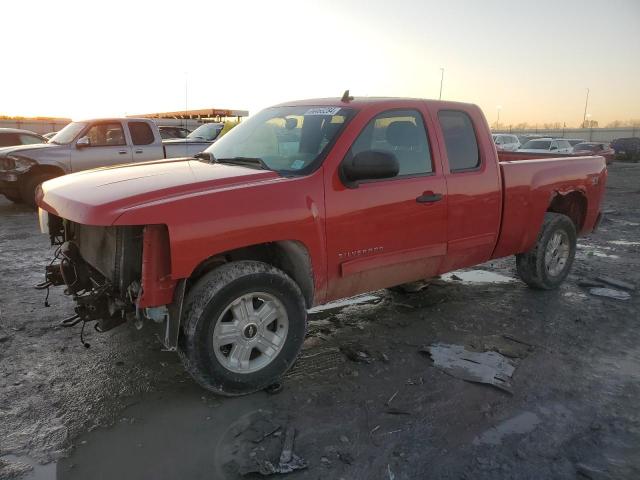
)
(31, 184)
(548, 263)
(243, 327)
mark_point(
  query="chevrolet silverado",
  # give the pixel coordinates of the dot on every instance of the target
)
(304, 203)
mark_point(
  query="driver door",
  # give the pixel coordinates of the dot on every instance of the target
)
(388, 231)
(107, 146)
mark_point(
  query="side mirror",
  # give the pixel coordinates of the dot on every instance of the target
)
(205, 156)
(368, 165)
(83, 142)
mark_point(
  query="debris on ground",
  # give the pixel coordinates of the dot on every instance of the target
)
(356, 353)
(481, 367)
(610, 293)
(274, 388)
(13, 469)
(287, 463)
(614, 282)
(506, 345)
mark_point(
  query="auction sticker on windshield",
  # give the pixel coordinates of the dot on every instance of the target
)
(322, 111)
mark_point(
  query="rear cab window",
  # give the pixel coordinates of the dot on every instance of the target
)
(460, 140)
(141, 133)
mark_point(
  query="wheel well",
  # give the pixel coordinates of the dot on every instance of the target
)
(573, 205)
(39, 169)
(290, 256)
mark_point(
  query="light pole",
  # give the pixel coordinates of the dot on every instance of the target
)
(584, 117)
(441, 80)
(587, 116)
(499, 107)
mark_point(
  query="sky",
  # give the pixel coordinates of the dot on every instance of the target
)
(535, 60)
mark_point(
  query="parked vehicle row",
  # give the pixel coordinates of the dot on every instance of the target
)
(304, 203)
(526, 144)
(10, 137)
(91, 144)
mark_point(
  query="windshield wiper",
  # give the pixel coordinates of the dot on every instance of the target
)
(245, 162)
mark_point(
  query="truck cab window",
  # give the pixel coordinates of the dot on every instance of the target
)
(106, 135)
(460, 140)
(402, 133)
(141, 133)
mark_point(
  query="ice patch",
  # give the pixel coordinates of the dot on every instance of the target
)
(357, 300)
(477, 277)
(520, 424)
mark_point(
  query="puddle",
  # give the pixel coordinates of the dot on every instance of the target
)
(37, 471)
(476, 277)
(357, 300)
(178, 435)
(523, 423)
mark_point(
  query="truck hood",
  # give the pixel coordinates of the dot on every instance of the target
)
(100, 196)
(24, 149)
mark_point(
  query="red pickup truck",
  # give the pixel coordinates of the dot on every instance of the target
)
(304, 203)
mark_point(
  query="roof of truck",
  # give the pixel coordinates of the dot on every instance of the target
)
(363, 101)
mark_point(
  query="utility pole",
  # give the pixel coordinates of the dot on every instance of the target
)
(499, 107)
(584, 117)
(441, 80)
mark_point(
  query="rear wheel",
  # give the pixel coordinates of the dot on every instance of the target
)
(548, 263)
(243, 327)
(29, 186)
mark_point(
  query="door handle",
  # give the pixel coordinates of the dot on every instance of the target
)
(429, 197)
(139, 150)
(122, 152)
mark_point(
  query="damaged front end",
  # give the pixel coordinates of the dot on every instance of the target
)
(114, 275)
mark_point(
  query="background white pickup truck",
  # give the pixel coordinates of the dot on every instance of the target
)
(89, 144)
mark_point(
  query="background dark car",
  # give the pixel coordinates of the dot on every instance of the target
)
(602, 149)
(10, 137)
(173, 132)
(627, 148)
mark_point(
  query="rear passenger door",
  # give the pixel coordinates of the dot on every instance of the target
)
(107, 145)
(473, 187)
(145, 147)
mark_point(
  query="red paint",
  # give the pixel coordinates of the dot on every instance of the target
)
(157, 284)
(358, 239)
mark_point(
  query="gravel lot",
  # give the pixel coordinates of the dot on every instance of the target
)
(124, 409)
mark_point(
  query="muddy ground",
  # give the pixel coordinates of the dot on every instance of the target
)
(124, 409)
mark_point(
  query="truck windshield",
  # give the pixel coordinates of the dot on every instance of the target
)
(68, 133)
(287, 139)
(537, 144)
(207, 132)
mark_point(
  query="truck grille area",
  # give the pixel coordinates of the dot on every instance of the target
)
(115, 252)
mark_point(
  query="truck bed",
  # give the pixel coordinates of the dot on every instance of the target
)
(530, 185)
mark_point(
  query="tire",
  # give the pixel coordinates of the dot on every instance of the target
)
(12, 197)
(29, 186)
(548, 263)
(259, 352)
